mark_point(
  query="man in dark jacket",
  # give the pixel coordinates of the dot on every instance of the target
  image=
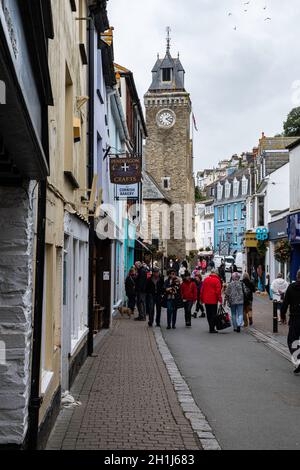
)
(292, 301)
(141, 290)
(130, 289)
(222, 272)
(155, 291)
(171, 292)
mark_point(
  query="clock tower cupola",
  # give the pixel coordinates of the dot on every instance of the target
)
(168, 151)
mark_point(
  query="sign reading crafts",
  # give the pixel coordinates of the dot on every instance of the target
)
(125, 171)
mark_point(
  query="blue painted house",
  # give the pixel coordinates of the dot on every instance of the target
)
(230, 212)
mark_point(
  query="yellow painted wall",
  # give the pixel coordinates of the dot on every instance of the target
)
(64, 58)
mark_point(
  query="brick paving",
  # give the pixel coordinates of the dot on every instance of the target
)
(128, 400)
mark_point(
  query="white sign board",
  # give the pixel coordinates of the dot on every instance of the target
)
(106, 276)
(130, 191)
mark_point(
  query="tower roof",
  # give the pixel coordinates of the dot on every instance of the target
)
(168, 73)
(177, 74)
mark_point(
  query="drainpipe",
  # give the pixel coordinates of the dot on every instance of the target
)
(91, 131)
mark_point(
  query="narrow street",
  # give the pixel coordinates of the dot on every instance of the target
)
(246, 390)
(135, 189)
(128, 400)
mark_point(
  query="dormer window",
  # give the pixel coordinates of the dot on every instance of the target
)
(167, 75)
(244, 186)
(227, 189)
(220, 192)
(236, 187)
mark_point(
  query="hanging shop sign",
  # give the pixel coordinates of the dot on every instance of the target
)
(262, 234)
(129, 191)
(250, 240)
(125, 171)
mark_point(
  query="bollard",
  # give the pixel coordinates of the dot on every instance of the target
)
(275, 316)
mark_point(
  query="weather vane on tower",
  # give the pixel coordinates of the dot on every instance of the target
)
(168, 38)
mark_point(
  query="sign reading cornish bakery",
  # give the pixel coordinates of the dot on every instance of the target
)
(125, 170)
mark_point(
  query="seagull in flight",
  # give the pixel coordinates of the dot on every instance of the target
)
(268, 19)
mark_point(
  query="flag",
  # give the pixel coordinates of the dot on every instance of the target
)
(195, 123)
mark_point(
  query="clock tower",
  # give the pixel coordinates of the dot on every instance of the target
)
(169, 149)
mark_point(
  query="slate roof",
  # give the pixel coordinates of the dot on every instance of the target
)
(177, 83)
(152, 191)
(275, 160)
(276, 143)
(236, 175)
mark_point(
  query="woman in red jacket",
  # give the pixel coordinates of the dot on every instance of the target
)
(188, 291)
(211, 294)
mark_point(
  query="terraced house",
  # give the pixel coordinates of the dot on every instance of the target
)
(230, 212)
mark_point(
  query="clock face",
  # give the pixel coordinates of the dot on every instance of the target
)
(166, 118)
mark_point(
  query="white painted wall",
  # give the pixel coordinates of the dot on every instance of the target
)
(278, 192)
(204, 228)
(295, 179)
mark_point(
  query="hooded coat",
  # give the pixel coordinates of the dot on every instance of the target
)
(279, 287)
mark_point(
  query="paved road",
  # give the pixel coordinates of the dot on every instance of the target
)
(247, 391)
(128, 400)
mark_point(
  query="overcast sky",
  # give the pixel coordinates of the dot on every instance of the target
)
(240, 80)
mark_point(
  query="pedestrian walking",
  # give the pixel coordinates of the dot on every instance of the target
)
(199, 283)
(171, 293)
(292, 301)
(211, 264)
(268, 286)
(141, 290)
(254, 276)
(203, 266)
(261, 277)
(155, 290)
(234, 296)
(183, 268)
(279, 287)
(248, 290)
(188, 292)
(176, 266)
(211, 295)
(222, 272)
(130, 289)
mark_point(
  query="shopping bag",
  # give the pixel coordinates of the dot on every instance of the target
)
(223, 319)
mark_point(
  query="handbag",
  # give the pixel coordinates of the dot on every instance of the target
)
(223, 319)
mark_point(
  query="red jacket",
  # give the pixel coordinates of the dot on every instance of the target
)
(188, 290)
(211, 292)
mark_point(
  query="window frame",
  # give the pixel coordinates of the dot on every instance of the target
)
(166, 179)
(163, 70)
